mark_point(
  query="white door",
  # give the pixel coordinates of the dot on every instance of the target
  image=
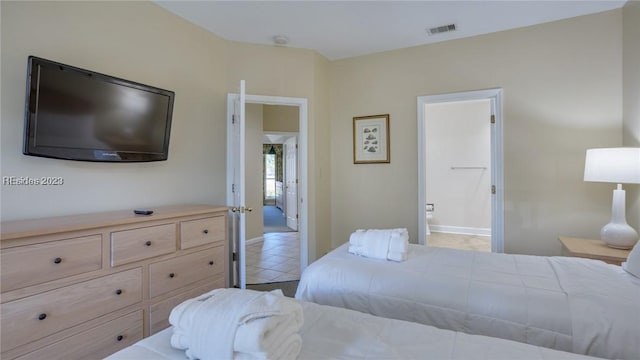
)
(291, 182)
(236, 188)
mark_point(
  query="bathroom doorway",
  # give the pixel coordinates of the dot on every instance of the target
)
(460, 164)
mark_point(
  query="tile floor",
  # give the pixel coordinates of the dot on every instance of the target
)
(460, 241)
(276, 258)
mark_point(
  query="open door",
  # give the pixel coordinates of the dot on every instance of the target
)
(236, 187)
(291, 182)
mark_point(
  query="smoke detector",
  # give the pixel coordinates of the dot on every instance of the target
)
(441, 29)
(280, 40)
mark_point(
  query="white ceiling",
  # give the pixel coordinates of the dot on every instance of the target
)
(342, 29)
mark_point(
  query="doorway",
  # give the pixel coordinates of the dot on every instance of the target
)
(280, 178)
(274, 257)
(460, 170)
(240, 184)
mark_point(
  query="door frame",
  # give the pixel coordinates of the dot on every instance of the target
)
(497, 160)
(303, 211)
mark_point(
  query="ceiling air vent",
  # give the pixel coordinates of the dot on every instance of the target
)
(441, 29)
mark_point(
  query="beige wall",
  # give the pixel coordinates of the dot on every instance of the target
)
(562, 87)
(458, 134)
(562, 95)
(281, 118)
(320, 168)
(631, 100)
(133, 40)
(152, 46)
(253, 170)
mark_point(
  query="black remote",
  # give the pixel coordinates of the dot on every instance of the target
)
(142, 212)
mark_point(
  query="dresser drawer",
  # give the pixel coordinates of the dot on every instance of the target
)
(160, 311)
(35, 264)
(37, 316)
(95, 343)
(175, 273)
(202, 231)
(138, 244)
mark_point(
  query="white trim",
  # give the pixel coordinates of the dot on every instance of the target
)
(497, 161)
(460, 230)
(280, 133)
(254, 240)
(307, 245)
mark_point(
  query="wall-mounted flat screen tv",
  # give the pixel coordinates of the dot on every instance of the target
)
(77, 114)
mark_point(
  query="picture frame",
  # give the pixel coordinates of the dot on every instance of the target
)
(371, 139)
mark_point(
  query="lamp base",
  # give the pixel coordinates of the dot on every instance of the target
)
(619, 236)
(617, 233)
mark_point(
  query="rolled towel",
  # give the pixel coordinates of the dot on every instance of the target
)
(372, 243)
(387, 244)
(357, 237)
(399, 241)
(234, 323)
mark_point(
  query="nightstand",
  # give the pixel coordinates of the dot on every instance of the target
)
(592, 249)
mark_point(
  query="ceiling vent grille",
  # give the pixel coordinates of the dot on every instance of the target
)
(441, 29)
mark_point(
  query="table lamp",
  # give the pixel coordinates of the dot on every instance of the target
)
(618, 166)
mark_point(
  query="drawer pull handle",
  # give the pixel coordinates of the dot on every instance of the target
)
(119, 291)
(57, 260)
(42, 316)
(172, 275)
(211, 262)
(120, 337)
(206, 231)
(148, 243)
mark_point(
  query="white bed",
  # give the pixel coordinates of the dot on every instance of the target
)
(578, 305)
(335, 333)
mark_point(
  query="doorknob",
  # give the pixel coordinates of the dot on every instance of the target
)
(249, 209)
(241, 209)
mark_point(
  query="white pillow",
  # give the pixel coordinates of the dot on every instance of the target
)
(632, 266)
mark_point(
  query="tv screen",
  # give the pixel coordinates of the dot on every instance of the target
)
(77, 114)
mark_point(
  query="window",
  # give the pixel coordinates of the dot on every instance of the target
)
(269, 178)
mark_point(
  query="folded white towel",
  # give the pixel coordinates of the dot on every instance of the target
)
(234, 323)
(388, 244)
(371, 243)
(399, 241)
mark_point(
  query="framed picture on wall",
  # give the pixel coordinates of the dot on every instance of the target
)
(371, 139)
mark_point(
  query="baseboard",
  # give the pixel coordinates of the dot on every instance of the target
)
(254, 240)
(460, 230)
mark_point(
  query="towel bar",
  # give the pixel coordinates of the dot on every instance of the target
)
(468, 168)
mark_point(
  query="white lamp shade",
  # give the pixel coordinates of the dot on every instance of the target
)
(613, 165)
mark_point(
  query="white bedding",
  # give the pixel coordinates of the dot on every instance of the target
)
(334, 333)
(578, 305)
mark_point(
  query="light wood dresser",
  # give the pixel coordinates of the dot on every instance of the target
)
(85, 286)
